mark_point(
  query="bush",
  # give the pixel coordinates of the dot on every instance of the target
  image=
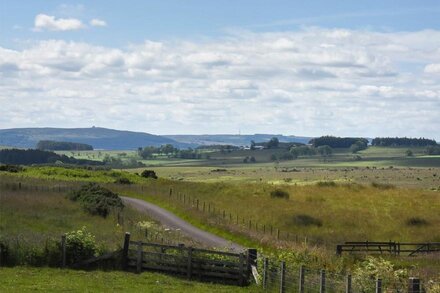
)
(80, 245)
(123, 180)
(382, 185)
(416, 221)
(149, 174)
(306, 220)
(11, 168)
(372, 268)
(279, 193)
(97, 200)
(326, 184)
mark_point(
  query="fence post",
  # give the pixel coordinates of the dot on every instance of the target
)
(189, 268)
(322, 283)
(197, 204)
(241, 279)
(301, 279)
(265, 268)
(414, 285)
(338, 249)
(282, 277)
(348, 284)
(379, 285)
(139, 258)
(125, 250)
(278, 234)
(63, 251)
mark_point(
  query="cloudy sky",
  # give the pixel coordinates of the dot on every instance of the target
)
(347, 68)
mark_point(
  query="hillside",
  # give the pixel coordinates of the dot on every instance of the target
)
(99, 138)
(235, 139)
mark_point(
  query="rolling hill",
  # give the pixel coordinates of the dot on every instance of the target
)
(99, 138)
(235, 139)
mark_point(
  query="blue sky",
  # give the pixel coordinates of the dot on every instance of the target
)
(294, 67)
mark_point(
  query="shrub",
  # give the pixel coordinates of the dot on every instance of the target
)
(306, 220)
(326, 184)
(10, 168)
(80, 245)
(416, 221)
(97, 200)
(372, 268)
(123, 180)
(382, 185)
(149, 174)
(279, 193)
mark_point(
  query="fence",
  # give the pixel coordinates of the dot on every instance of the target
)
(396, 248)
(193, 263)
(280, 277)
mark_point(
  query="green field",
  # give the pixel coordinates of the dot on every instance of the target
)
(26, 279)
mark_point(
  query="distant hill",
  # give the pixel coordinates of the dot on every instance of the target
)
(99, 138)
(235, 139)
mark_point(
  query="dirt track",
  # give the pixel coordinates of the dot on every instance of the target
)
(172, 221)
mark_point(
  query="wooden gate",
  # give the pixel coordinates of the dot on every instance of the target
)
(192, 263)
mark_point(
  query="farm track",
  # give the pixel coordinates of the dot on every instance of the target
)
(172, 221)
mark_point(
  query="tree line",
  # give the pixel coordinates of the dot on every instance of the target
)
(51, 145)
(31, 156)
(403, 141)
(169, 151)
(338, 142)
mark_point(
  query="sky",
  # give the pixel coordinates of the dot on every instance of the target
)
(310, 68)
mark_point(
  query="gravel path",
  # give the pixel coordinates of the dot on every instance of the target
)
(172, 221)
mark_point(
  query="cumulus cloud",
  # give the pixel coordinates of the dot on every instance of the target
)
(311, 82)
(432, 68)
(98, 22)
(49, 22)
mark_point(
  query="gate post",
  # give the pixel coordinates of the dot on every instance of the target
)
(379, 286)
(348, 284)
(125, 250)
(322, 283)
(301, 279)
(139, 258)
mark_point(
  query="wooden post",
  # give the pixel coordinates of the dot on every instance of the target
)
(379, 285)
(209, 207)
(301, 279)
(197, 204)
(282, 277)
(265, 268)
(63, 251)
(224, 214)
(189, 266)
(139, 258)
(278, 234)
(241, 266)
(237, 220)
(203, 206)
(250, 225)
(322, 283)
(264, 229)
(414, 285)
(348, 284)
(125, 250)
(338, 249)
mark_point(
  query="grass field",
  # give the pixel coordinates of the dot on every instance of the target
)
(29, 218)
(26, 279)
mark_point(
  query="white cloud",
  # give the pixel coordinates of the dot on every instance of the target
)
(98, 22)
(49, 22)
(432, 68)
(310, 82)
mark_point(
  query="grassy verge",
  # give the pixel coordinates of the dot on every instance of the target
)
(25, 279)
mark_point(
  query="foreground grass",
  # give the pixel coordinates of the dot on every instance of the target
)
(25, 279)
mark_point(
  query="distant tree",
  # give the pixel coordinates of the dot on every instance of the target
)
(433, 150)
(273, 143)
(273, 157)
(403, 141)
(149, 174)
(246, 160)
(358, 146)
(50, 145)
(337, 142)
(409, 153)
(252, 159)
(324, 150)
